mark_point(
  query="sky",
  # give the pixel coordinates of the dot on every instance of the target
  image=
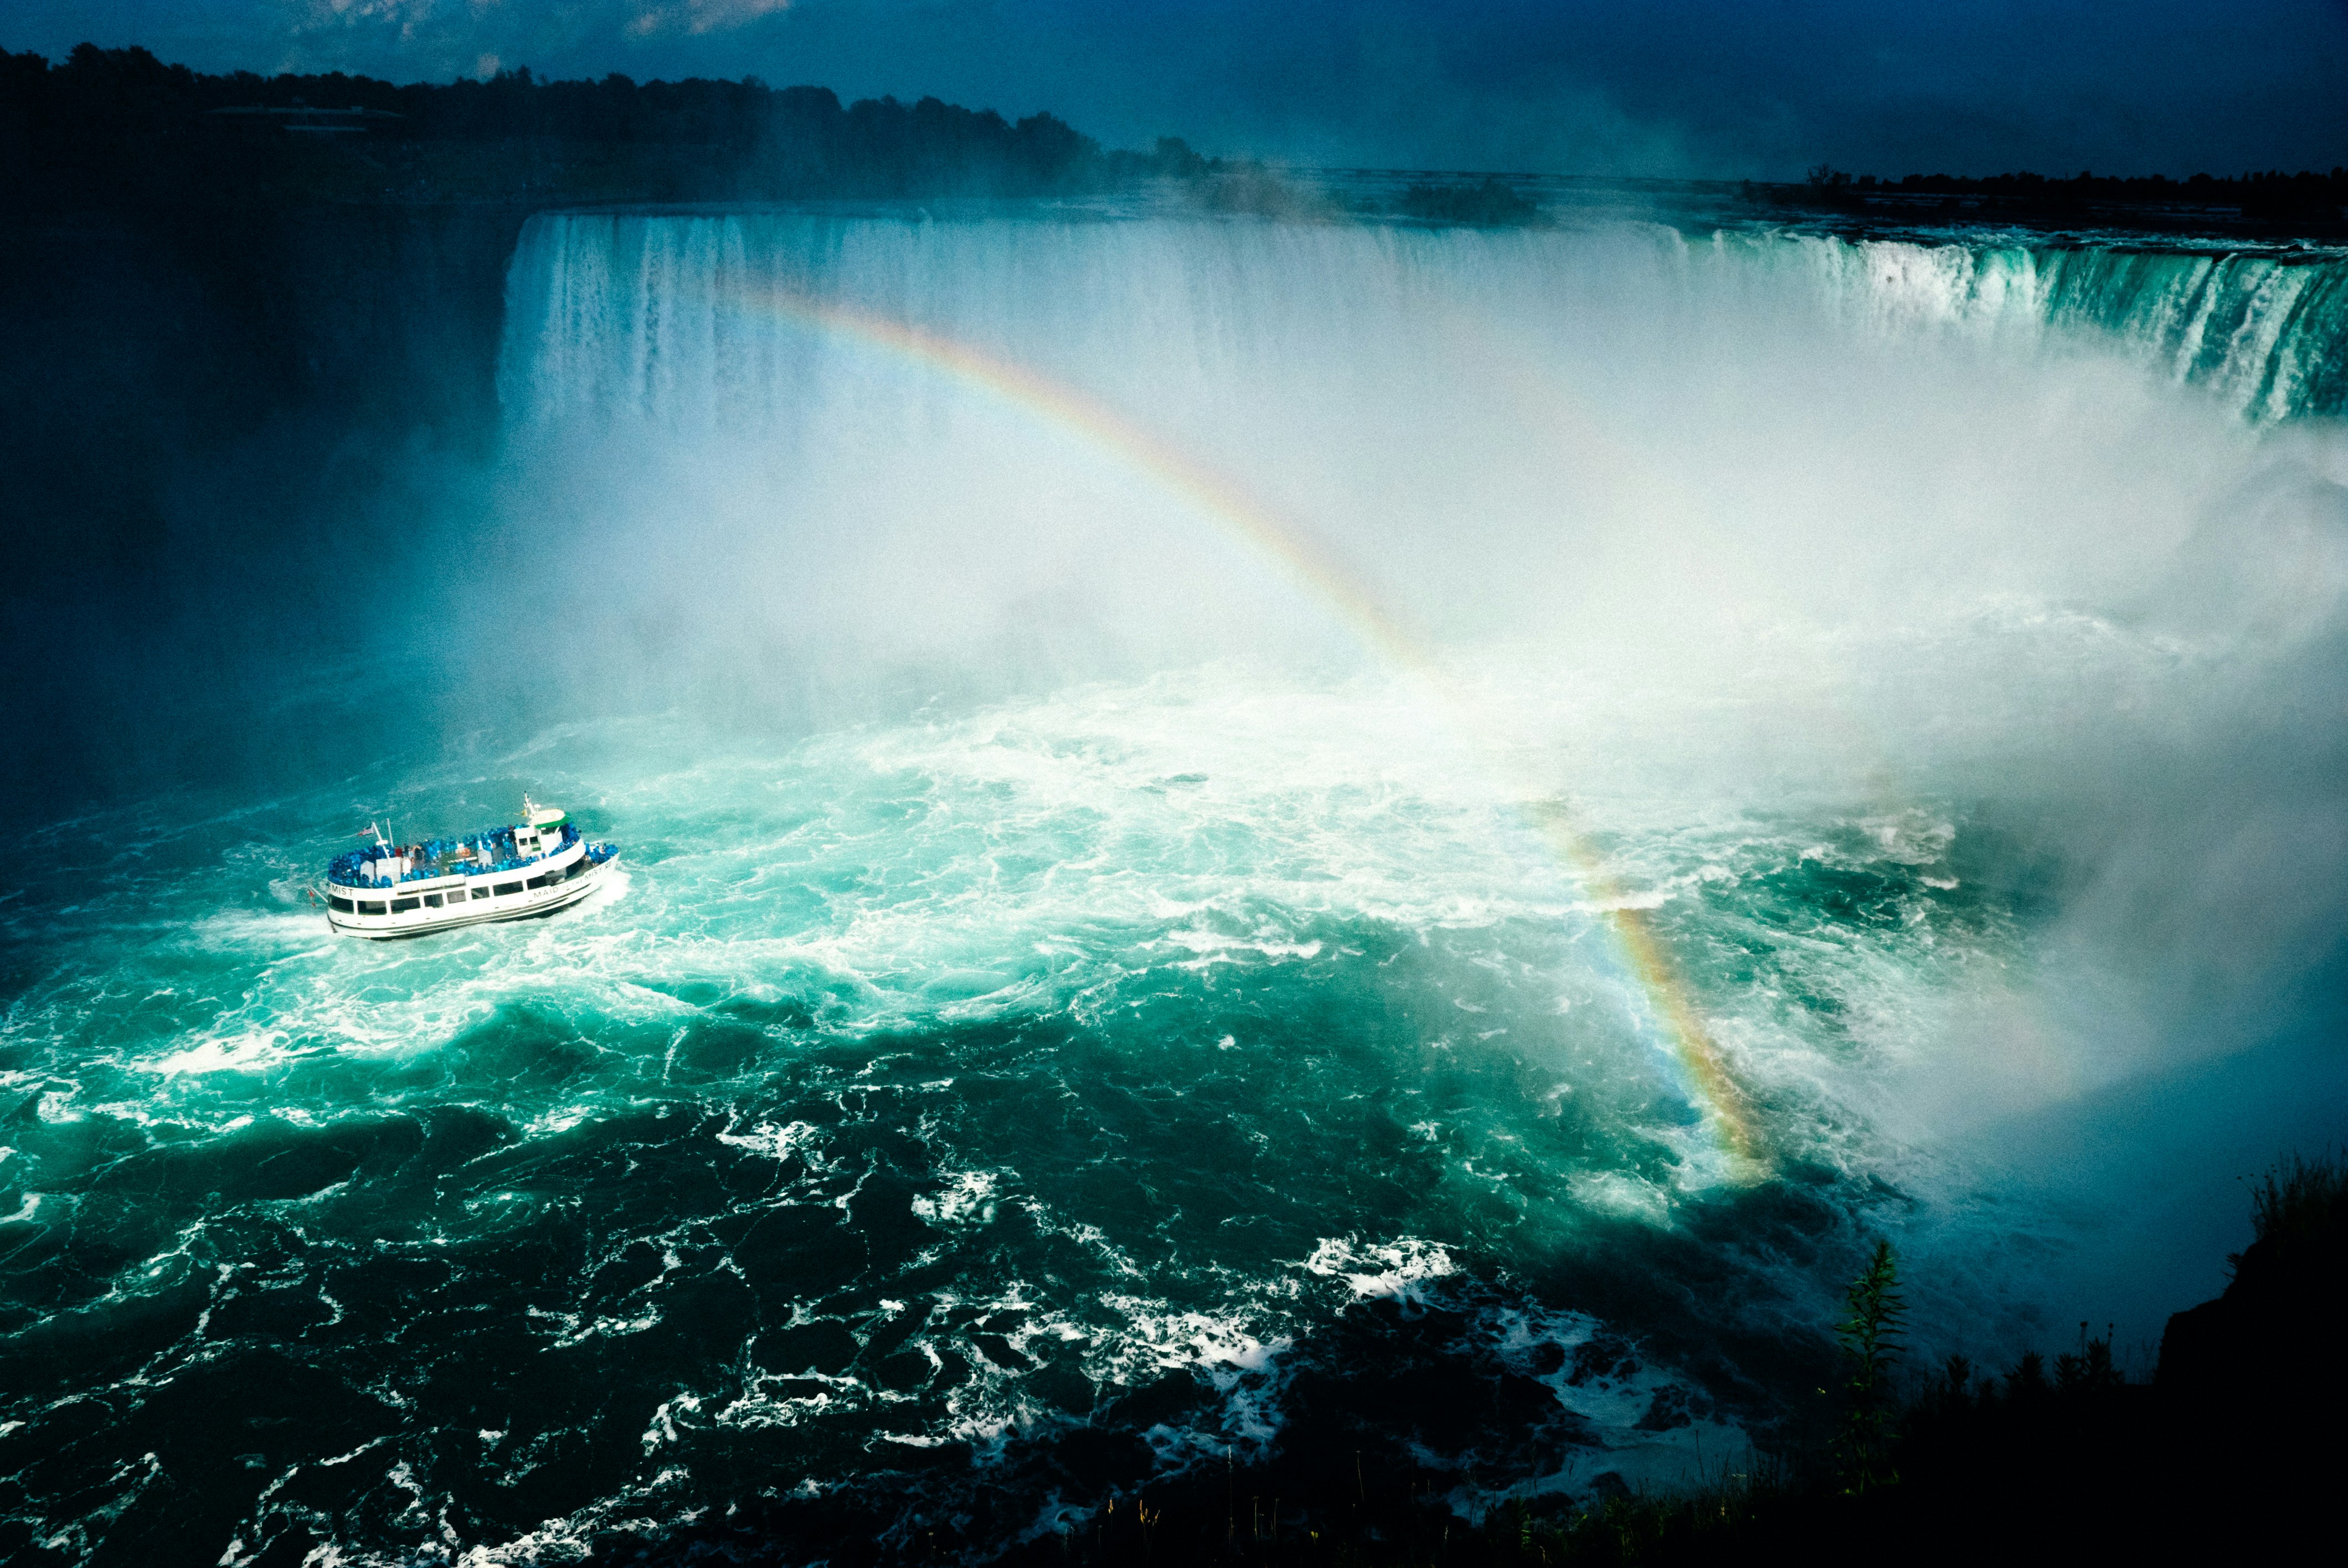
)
(1728, 89)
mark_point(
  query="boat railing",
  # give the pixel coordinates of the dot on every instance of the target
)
(441, 858)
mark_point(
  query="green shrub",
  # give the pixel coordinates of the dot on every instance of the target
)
(1870, 1344)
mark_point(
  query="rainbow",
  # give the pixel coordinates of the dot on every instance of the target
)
(1311, 569)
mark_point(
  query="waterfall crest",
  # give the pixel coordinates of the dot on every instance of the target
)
(626, 312)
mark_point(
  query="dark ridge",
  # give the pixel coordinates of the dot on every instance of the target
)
(106, 128)
(2309, 203)
(2255, 1355)
(116, 128)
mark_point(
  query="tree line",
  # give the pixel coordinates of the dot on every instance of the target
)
(2255, 192)
(119, 125)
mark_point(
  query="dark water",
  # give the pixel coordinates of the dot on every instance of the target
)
(1074, 1012)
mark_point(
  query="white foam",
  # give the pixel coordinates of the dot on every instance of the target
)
(246, 1051)
(968, 1198)
(1396, 1271)
(778, 1143)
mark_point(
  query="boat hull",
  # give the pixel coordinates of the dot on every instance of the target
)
(527, 904)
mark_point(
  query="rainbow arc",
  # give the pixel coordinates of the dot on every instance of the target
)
(1322, 577)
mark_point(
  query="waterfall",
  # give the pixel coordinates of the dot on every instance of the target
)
(888, 452)
(2265, 333)
(644, 313)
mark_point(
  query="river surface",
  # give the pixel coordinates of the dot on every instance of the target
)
(1224, 825)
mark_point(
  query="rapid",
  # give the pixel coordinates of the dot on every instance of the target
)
(1232, 827)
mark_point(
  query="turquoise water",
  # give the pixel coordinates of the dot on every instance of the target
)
(929, 1089)
(1087, 1059)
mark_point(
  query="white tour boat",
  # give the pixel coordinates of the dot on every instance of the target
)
(525, 869)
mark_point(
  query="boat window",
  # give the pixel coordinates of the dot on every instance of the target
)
(538, 882)
(432, 900)
(506, 887)
(402, 906)
(480, 891)
(340, 906)
(370, 906)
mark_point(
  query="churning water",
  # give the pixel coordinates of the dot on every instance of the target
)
(1225, 823)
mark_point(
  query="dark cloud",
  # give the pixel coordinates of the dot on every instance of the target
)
(1670, 87)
